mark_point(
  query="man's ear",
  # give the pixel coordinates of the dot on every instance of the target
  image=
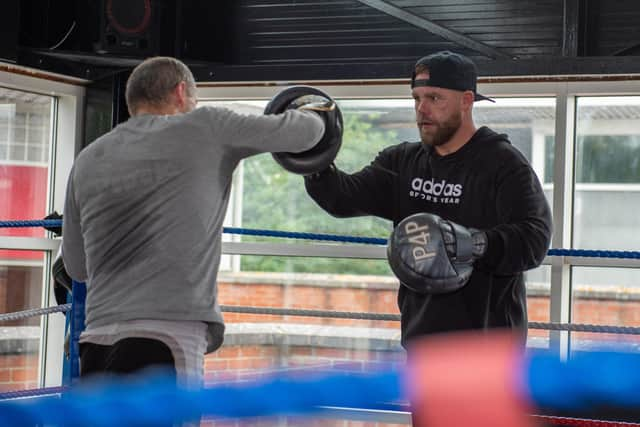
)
(181, 93)
(468, 98)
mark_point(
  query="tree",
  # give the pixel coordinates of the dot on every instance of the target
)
(608, 159)
(276, 200)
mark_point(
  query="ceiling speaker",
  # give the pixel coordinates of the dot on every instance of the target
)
(132, 27)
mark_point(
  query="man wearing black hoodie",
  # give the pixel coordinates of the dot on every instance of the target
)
(470, 176)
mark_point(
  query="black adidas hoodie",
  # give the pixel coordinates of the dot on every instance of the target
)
(487, 184)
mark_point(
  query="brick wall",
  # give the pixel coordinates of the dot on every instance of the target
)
(373, 294)
(18, 371)
(20, 288)
(240, 362)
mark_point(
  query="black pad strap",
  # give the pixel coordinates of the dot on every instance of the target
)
(464, 243)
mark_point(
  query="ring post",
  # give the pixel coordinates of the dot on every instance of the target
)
(77, 326)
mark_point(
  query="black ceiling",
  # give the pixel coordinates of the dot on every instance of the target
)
(278, 40)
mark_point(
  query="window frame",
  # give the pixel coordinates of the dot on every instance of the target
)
(66, 127)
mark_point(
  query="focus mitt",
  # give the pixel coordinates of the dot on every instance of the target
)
(325, 151)
(431, 255)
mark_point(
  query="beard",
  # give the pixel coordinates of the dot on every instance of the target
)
(443, 132)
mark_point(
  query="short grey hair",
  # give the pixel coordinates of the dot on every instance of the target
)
(152, 81)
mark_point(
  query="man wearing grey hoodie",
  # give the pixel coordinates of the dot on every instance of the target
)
(143, 219)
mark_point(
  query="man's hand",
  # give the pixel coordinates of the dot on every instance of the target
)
(55, 230)
(318, 158)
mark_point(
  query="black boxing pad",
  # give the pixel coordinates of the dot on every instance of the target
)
(55, 230)
(430, 255)
(62, 283)
(325, 151)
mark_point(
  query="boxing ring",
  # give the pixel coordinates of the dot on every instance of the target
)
(495, 383)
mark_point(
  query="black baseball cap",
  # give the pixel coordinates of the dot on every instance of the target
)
(449, 70)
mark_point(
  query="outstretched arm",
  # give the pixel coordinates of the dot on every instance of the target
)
(367, 192)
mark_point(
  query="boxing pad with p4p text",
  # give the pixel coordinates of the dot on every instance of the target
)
(432, 255)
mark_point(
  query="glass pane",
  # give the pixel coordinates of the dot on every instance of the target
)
(538, 282)
(16, 152)
(35, 153)
(607, 175)
(24, 180)
(19, 118)
(605, 296)
(19, 138)
(309, 283)
(274, 199)
(255, 342)
(35, 135)
(267, 341)
(20, 289)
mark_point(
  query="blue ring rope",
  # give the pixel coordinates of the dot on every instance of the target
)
(594, 253)
(31, 223)
(588, 379)
(340, 238)
(155, 400)
(610, 380)
(306, 236)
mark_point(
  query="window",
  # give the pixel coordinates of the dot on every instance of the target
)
(530, 125)
(605, 296)
(25, 143)
(255, 342)
(538, 283)
(20, 289)
(275, 199)
(26, 192)
(607, 173)
(604, 156)
(24, 127)
(607, 193)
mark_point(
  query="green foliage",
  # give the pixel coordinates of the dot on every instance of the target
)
(601, 159)
(276, 200)
(612, 159)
